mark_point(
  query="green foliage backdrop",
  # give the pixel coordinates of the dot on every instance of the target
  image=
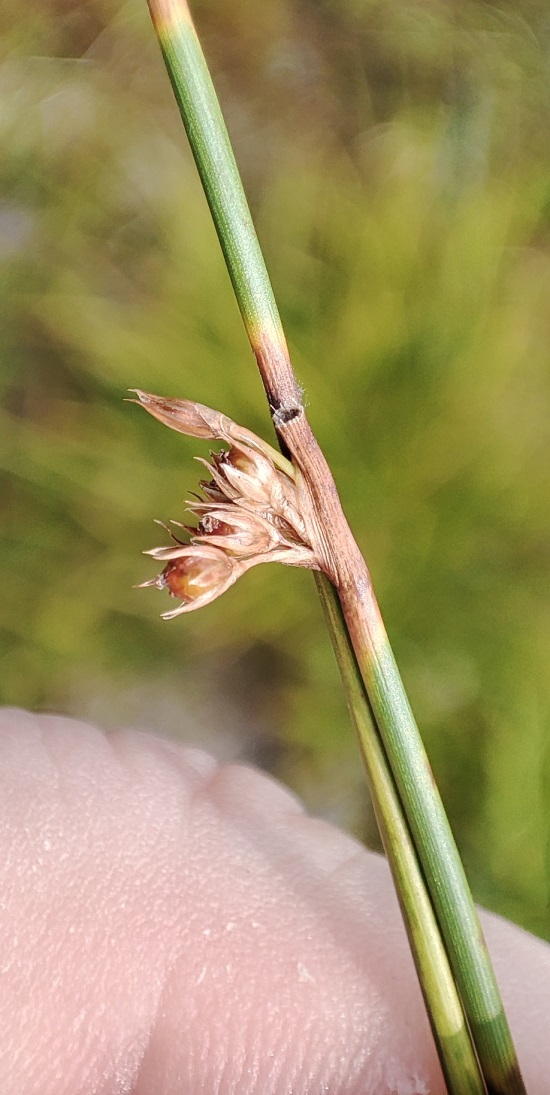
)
(397, 160)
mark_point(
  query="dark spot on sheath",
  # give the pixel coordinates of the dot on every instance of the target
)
(283, 415)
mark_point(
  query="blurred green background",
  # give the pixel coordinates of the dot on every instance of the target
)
(397, 160)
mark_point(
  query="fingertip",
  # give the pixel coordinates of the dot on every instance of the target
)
(224, 940)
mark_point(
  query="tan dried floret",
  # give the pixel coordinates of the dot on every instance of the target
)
(249, 513)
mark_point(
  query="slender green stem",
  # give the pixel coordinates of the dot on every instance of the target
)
(433, 839)
(423, 814)
(209, 140)
(458, 1060)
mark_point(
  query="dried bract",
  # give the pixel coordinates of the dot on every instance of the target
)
(185, 416)
(196, 420)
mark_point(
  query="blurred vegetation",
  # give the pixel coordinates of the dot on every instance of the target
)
(397, 159)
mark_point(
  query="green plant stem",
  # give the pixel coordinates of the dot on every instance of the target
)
(456, 1054)
(209, 140)
(420, 802)
(433, 839)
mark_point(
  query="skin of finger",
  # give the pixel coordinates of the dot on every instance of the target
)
(171, 926)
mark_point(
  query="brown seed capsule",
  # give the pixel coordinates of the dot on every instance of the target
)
(195, 573)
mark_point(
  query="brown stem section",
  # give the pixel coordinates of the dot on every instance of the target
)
(331, 537)
(325, 518)
(278, 377)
